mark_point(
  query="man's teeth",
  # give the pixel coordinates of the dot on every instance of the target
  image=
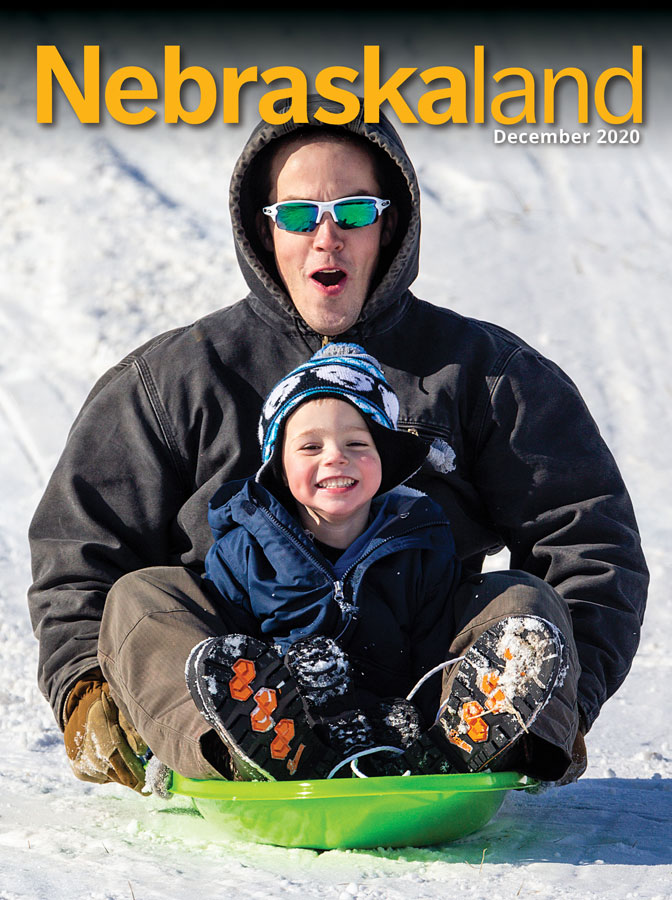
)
(336, 482)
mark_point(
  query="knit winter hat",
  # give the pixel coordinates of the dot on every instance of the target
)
(347, 372)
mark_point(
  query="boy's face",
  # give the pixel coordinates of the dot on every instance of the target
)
(330, 462)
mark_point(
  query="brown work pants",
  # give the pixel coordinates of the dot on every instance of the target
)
(154, 617)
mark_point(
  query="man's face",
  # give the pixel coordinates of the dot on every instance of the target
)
(327, 272)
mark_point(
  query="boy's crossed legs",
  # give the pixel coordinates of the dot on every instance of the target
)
(155, 617)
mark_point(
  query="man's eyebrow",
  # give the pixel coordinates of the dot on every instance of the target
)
(361, 193)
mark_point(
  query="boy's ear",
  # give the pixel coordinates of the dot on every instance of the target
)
(263, 224)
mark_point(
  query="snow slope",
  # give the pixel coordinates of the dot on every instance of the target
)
(109, 235)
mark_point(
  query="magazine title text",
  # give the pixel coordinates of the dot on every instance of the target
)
(509, 96)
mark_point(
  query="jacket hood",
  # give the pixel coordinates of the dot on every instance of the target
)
(399, 261)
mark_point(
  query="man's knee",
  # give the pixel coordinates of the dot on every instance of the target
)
(161, 594)
(148, 614)
(154, 589)
(490, 596)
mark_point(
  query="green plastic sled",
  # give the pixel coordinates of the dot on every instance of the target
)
(355, 813)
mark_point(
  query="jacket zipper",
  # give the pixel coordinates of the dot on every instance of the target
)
(339, 596)
(302, 547)
(386, 540)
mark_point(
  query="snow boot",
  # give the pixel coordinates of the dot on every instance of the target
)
(500, 687)
(349, 725)
(244, 689)
(395, 723)
(322, 673)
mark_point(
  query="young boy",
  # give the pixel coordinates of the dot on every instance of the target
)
(344, 576)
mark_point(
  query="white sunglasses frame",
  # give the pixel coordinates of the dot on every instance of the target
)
(328, 206)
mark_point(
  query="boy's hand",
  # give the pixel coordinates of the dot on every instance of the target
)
(101, 744)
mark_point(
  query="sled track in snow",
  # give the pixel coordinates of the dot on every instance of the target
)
(16, 426)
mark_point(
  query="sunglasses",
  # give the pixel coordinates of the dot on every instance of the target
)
(304, 216)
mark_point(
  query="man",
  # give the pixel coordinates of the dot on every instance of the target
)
(171, 422)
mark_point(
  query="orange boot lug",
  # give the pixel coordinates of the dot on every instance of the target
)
(260, 717)
(478, 729)
(495, 701)
(239, 685)
(454, 738)
(284, 732)
(471, 710)
(293, 763)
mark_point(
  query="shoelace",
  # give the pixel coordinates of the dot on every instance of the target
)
(352, 759)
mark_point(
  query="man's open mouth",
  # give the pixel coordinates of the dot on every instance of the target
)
(336, 482)
(329, 277)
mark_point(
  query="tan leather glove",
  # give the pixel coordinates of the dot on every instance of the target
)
(101, 743)
(579, 761)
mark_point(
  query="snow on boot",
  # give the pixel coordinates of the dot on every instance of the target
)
(348, 733)
(158, 778)
(502, 684)
(322, 673)
(395, 722)
(242, 687)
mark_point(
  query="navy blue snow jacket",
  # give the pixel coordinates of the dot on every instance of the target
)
(387, 599)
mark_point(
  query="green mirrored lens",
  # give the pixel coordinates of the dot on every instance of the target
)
(355, 213)
(296, 216)
(302, 217)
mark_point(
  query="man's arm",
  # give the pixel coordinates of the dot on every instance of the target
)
(557, 498)
(106, 511)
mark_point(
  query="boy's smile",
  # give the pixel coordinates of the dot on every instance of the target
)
(336, 483)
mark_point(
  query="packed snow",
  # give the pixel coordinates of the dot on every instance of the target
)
(110, 234)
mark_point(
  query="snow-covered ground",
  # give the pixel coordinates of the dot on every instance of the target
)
(110, 234)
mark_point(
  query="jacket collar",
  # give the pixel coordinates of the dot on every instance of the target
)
(396, 513)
